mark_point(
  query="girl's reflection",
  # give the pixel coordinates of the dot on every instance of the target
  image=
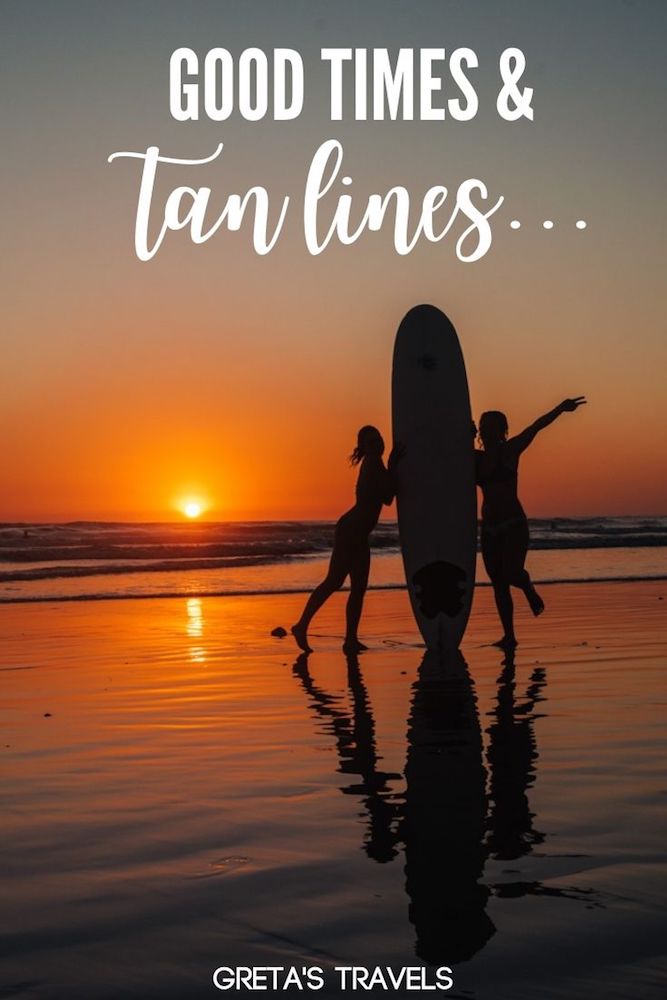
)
(512, 759)
(357, 754)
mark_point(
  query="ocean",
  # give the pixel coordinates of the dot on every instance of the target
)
(88, 560)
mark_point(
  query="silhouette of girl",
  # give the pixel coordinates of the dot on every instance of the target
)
(505, 534)
(351, 551)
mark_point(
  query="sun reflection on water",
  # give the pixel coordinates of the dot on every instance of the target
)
(195, 628)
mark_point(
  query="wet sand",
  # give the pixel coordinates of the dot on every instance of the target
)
(182, 792)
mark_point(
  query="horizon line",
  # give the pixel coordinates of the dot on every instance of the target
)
(280, 520)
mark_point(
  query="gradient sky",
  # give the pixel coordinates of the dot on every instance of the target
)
(212, 372)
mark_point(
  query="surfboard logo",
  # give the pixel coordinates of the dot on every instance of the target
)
(428, 362)
(440, 587)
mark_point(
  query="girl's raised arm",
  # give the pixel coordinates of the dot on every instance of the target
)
(521, 441)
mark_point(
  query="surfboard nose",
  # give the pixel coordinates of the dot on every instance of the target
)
(425, 313)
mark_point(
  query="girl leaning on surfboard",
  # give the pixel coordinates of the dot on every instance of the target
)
(351, 554)
(505, 534)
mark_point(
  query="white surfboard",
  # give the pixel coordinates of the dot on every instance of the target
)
(436, 497)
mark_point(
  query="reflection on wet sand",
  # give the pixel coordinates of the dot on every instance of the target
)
(451, 818)
(194, 628)
(445, 812)
(357, 754)
(512, 758)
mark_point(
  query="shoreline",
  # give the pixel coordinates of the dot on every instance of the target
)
(286, 592)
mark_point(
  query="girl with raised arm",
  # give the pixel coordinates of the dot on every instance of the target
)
(505, 534)
(351, 550)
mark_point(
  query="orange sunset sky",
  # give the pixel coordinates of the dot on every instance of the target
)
(214, 374)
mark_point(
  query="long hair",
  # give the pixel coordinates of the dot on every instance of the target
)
(363, 439)
(493, 428)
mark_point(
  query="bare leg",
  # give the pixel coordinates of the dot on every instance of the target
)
(525, 584)
(515, 567)
(505, 606)
(496, 554)
(358, 584)
(338, 570)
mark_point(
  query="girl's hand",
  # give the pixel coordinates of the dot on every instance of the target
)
(397, 453)
(570, 405)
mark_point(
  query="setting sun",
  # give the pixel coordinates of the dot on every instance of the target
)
(192, 509)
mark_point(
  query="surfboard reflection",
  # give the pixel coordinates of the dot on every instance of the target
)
(443, 828)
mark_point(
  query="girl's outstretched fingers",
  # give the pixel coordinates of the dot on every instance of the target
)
(569, 405)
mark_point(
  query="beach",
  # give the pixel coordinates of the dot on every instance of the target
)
(182, 791)
(309, 306)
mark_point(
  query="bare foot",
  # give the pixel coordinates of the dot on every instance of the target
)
(536, 602)
(353, 646)
(301, 636)
(507, 642)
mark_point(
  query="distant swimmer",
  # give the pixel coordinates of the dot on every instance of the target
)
(505, 535)
(351, 550)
